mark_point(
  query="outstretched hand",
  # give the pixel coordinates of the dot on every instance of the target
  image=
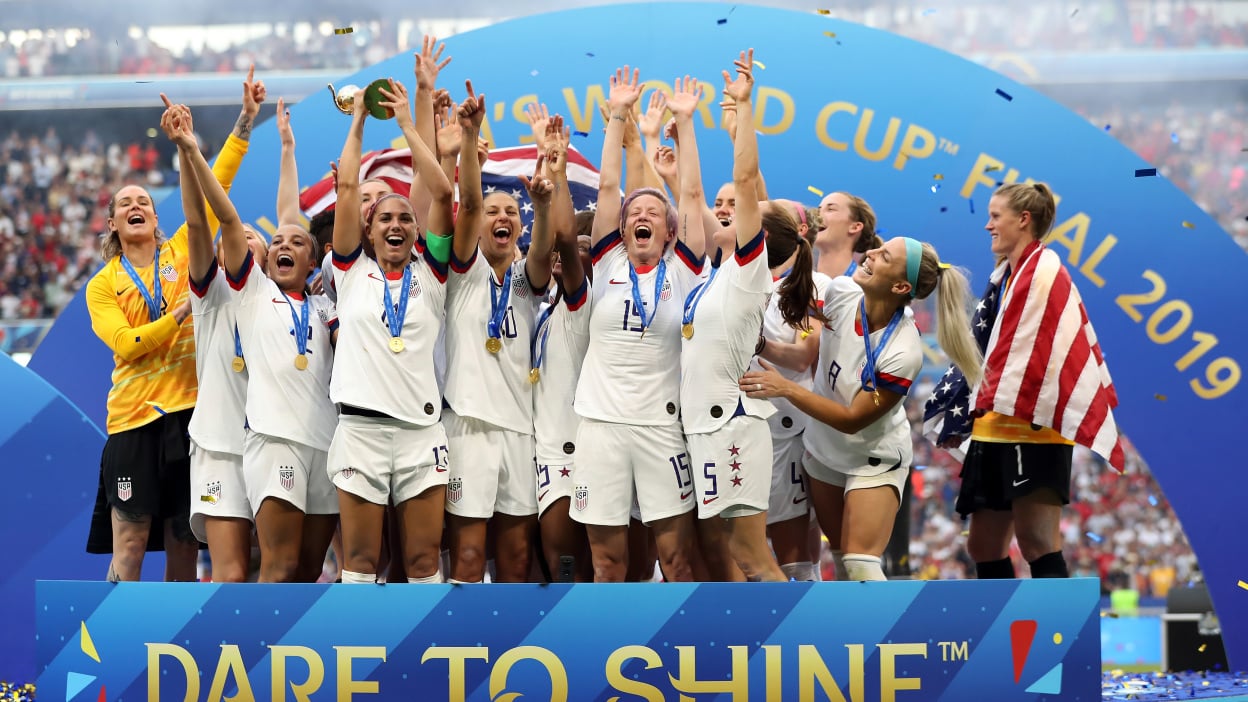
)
(253, 93)
(739, 88)
(177, 124)
(472, 109)
(429, 62)
(625, 90)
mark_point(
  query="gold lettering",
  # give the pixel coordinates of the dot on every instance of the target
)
(518, 113)
(981, 174)
(821, 123)
(889, 682)
(811, 668)
(775, 673)
(554, 668)
(688, 681)
(864, 128)
(303, 691)
(787, 110)
(583, 117)
(619, 683)
(910, 148)
(348, 686)
(455, 657)
(183, 656)
(1074, 244)
(1089, 266)
(231, 661)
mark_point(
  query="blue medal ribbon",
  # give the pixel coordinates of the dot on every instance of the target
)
(538, 346)
(638, 304)
(695, 297)
(155, 296)
(238, 344)
(301, 323)
(868, 371)
(498, 305)
(849, 272)
(395, 314)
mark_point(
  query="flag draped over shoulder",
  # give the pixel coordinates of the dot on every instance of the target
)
(947, 413)
(501, 173)
(1043, 363)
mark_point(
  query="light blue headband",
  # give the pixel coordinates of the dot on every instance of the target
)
(914, 257)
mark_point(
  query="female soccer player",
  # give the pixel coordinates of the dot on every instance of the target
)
(390, 444)
(628, 395)
(492, 303)
(1016, 475)
(138, 308)
(858, 448)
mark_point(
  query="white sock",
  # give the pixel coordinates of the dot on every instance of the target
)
(802, 571)
(491, 571)
(838, 565)
(359, 578)
(862, 567)
(429, 579)
(453, 581)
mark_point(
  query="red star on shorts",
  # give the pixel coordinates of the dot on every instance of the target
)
(564, 472)
(736, 481)
(736, 465)
(734, 450)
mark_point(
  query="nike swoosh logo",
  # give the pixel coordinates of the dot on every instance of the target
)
(123, 291)
(798, 500)
(439, 469)
(613, 281)
(1020, 482)
(685, 495)
(543, 496)
(709, 500)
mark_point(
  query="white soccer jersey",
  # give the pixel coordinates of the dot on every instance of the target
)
(628, 378)
(726, 322)
(283, 401)
(218, 420)
(328, 285)
(788, 420)
(491, 387)
(842, 357)
(367, 373)
(565, 327)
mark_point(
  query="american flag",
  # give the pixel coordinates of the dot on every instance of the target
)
(501, 173)
(947, 415)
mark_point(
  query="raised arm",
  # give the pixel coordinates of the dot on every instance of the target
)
(729, 108)
(429, 63)
(288, 174)
(537, 263)
(233, 238)
(449, 140)
(748, 219)
(650, 123)
(468, 222)
(424, 164)
(625, 89)
(198, 237)
(683, 103)
(562, 214)
(347, 221)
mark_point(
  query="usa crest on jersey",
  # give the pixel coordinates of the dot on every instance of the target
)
(348, 473)
(455, 489)
(286, 476)
(666, 292)
(413, 290)
(168, 272)
(213, 493)
(581, 495)
(124, 489)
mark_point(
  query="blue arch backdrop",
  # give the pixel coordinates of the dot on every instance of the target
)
(922, 134)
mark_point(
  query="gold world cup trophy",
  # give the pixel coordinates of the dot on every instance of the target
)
(344, 98)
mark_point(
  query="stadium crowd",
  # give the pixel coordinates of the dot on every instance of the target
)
(958, 27)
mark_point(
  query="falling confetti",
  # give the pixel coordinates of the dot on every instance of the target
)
(1160, 397)
(929, 11)
(1243, 584)
(938, 176)
(971, 202)
(1152, 500)
(1145, 172)
(966, 532)
(944, 209)
(589, 54)
(344, 30)
(1107, 127)
(582, 134)
(824, 12)
(533, 72)
(760, 64)
(1188, 225)
(722, 21)
(1072, 15)
(1174, 137)
(990, 169)
(936, 187)
(815, 190)
(832, 35)
(1202, 648)
(1095, 538)
(1007, 96)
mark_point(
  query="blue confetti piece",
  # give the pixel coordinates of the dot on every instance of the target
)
(159, 410)
(1174, 137)
(1152, 500)
(1107, 127)
(582, 134)
(1145, 172)
(935, 187)
(944, 209)
(971, 202)
(1094, 537)
(589, 54)
(722, 21)
(929, 12)
(1005, 95)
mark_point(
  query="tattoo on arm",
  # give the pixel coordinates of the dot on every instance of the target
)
(242, 128)
(684, 228)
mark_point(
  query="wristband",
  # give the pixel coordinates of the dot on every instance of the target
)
(439, 247)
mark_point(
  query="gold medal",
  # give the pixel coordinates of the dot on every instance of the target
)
(534, 376)
(687, 330)
(301, 362)
(875, 395)
(493, 344)
(396, 344)
(238, 364)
